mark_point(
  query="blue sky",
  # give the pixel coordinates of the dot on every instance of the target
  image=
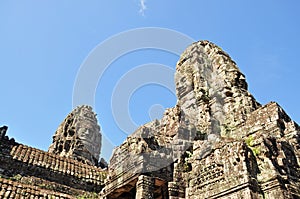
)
(44, 43)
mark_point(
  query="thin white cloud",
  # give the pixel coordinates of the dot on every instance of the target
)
(143, 7)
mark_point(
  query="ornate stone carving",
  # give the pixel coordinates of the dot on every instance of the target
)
(214, 142)
(145, 187)
(217, 142)
(78, 136)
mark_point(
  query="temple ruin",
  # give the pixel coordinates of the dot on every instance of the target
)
(216, 142)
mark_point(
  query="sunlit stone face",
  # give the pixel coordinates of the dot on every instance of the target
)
(78, 136)
(91, 139)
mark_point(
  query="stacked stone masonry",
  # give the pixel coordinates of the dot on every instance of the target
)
(216, 142)
(17, 190)
(36, 173)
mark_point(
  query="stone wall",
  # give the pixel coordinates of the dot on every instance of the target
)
(12, 189)
(262, 161)
(230, 167)
(27, 165)
(216, 142)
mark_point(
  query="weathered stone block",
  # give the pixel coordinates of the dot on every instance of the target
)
(78, 136)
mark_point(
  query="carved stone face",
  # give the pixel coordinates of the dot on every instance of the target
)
(206, 80)
(78, 136)
(90, 138)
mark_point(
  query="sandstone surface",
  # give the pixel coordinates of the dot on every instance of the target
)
(78, 136)
(216, 142)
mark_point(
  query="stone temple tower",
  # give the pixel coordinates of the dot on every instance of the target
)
(78, 136)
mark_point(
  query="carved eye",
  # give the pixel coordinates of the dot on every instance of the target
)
(89, 115)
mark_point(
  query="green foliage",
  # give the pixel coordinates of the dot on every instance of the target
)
(186, 167)
(89, 196)
(255, 150)
(16, 177)
(188, 154)
(249, 141)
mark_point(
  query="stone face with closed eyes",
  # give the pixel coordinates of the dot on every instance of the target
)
(78, 136)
